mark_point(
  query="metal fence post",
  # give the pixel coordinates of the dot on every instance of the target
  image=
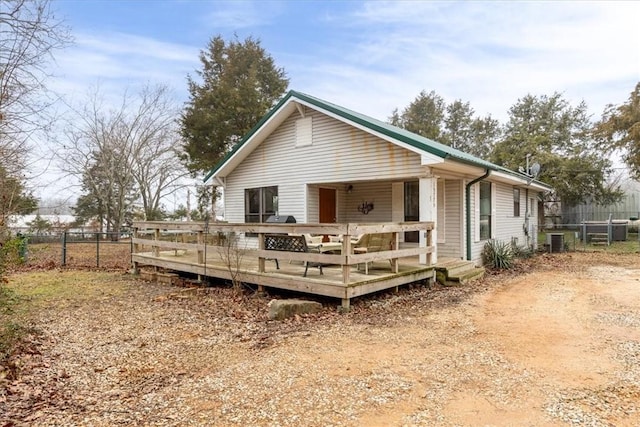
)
(64, 248)
(97, 249)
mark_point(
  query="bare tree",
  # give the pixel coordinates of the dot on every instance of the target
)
(125, 154)
(231, 255)
(156, 148)
(94, 153)
(29, 34)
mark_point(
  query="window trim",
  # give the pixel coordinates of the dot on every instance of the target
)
(489, 216)
(262, 212)
(516, 202)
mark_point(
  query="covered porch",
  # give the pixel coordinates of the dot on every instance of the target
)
(438, 199)
(222, 250)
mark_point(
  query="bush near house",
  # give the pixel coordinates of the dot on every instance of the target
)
(498, 255)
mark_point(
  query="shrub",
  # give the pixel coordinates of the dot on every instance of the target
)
(13, 252)
(498, 255)
(10, 331)
(521, 251)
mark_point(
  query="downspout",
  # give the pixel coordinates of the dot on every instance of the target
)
(467, 193)
(527, 215)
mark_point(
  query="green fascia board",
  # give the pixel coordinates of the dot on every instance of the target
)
(394, 132)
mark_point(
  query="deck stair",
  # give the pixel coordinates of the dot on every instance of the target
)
(601, 239)
(458, 272)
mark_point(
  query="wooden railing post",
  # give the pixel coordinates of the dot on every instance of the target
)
(156, 238)
(346, 254)
(200, 243)
(135, 248)
(261, 260)
(429, 245)
(395, 244)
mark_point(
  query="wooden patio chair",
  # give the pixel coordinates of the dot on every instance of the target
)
(376, 242)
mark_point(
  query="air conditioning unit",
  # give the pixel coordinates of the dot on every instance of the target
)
(555, 242)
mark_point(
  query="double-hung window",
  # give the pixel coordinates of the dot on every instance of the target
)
(516, 202)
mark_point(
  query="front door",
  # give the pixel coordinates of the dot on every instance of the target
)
(327, 205)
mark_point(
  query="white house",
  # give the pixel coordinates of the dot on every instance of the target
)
(323, 163)
(21, 223)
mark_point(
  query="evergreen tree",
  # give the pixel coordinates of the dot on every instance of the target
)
(455, 124)
(557, 136)
(15, 199)
(238, 83)
(619, 128)
(424, 116)
(39, 225)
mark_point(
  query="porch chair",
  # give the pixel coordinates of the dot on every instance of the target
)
(376, 242)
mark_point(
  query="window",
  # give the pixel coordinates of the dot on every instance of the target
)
(260, 203)
(412, 208)
(532, 207)
(516, 202)
(485, 210)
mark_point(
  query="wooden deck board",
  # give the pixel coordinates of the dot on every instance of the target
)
(289, 276)
(198, 248)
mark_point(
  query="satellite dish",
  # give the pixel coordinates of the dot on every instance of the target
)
(534, 171)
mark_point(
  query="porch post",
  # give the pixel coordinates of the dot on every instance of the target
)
(428, 212)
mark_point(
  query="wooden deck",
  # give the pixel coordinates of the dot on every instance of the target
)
(220, 250)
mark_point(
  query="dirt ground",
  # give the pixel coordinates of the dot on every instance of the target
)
(556, 343)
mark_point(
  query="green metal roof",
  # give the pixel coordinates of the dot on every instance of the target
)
(421, 143)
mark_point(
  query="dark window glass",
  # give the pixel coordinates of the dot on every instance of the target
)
(260, 203)
(412, 208)
(485, 210)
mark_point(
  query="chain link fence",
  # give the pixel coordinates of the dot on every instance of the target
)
(615, 236)
(78, 249)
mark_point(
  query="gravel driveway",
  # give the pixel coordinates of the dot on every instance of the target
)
(558, 343)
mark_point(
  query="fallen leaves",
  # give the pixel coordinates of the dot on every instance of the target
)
(115, 351)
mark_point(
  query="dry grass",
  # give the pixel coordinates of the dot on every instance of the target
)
(115, 351)
(105, 255)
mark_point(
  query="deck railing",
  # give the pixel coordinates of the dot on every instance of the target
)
(213, 240)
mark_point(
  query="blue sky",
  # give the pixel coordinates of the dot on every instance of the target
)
(370, 56)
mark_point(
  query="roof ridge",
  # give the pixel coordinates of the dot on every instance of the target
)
(399, 134)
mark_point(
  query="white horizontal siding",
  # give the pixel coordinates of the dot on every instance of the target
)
(507, 226)
(339, 154)
(453, 224)
(476, 246)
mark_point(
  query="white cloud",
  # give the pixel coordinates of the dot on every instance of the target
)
(376, 56)
(118, 56)
(237, 14)
(114, 63)
(489, 53)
